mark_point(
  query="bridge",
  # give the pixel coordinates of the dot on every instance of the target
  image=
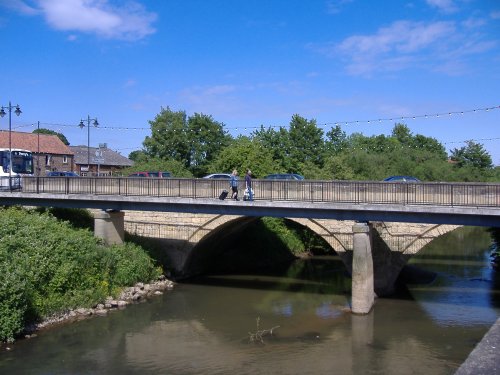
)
(374, 226)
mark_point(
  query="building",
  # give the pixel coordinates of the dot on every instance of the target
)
(93, 161)
(49, 152)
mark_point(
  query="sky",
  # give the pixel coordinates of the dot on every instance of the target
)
(365, 65)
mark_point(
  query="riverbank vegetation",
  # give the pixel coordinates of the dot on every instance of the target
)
(48, 266)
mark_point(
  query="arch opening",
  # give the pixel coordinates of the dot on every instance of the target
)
(253, 244)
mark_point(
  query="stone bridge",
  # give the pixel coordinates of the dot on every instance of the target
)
(188, 239)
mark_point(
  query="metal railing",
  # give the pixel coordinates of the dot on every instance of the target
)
(354, 192)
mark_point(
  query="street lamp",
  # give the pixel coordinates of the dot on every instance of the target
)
(17, 111)
(82, 125)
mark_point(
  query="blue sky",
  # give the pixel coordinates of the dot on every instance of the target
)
(251, 63)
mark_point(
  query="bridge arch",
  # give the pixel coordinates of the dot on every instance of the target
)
(393, 243)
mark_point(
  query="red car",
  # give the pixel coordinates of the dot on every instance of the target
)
(151, 174)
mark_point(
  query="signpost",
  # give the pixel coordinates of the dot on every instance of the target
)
(99, 159)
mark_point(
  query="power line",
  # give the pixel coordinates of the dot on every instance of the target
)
(330, 123)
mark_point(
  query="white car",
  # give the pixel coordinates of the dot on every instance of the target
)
(226, 176)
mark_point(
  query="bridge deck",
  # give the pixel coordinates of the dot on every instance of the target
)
(439, 203)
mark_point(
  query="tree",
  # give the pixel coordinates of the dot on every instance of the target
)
(472, 155)
(278, 142)
(176, 168)
(137, 156)
(168, 138)
(336, 141)
(206, 139)
(337, 167)
(193, 141)
(402, 133)
(306, 141)
(244, 153)
(51, 132)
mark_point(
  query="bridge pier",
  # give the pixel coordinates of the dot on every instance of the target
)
(363, 294)
(109, 225)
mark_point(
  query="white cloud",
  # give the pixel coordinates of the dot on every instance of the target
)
(219, 90)
(19, 6)
(130, 83)
(335, 6)
(401, 36)
(129, 21)
(392, 48)
(406, 44)
(446, 6)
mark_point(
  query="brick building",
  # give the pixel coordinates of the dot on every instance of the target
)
(100, 161)
(49, 152)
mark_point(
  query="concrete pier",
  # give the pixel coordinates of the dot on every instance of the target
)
(363, 294)
(109, 225)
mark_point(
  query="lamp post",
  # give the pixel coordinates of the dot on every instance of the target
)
(17, 111)
(82, 125)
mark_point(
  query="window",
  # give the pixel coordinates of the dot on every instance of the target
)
(48, 159)
(65, 159)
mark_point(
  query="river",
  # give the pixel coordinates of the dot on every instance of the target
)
(294, 322)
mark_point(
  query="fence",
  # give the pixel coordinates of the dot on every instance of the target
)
(355, 192)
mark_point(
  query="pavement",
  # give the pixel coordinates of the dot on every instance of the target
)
(485, 358)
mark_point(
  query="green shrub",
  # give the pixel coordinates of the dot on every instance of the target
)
(13, 303)
(287, 235)
(47, 267)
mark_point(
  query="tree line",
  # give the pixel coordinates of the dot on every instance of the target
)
(197, 145)
(193, 146)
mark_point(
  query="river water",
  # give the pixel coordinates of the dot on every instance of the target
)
(294, 322)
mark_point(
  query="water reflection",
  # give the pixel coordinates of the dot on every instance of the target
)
(465, 291)
(203, 327)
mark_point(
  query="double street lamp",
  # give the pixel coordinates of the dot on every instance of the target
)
(82, 125)
(17, 111)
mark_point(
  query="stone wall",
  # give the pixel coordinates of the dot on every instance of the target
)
(393, 243)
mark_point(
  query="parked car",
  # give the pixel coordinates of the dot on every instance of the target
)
(62, 174)
(284, 176)
(151, 174)
(402, 179)
(226, 176)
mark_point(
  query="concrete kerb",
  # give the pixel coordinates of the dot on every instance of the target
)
(485, 358)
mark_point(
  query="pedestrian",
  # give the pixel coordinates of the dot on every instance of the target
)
(248, 184)
(234, 185)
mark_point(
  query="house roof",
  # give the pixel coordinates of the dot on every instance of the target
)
(36, 143)
(109, 157)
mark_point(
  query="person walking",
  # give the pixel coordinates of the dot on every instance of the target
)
(234, 185)
(248, 184)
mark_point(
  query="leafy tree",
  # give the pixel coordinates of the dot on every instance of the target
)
(206, 138)
(430, 145)
(244, 153)
(402, 133)
(51, 132)
(472, 155)
(169, 137)
(193, 141)
(156, 164)
(278, 142)
(337, 167)
(306, 141)
(137, 155)
(336, 141)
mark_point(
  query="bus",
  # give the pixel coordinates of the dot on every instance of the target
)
(14, 163)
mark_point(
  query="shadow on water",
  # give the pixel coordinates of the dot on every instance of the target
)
(318, 275)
